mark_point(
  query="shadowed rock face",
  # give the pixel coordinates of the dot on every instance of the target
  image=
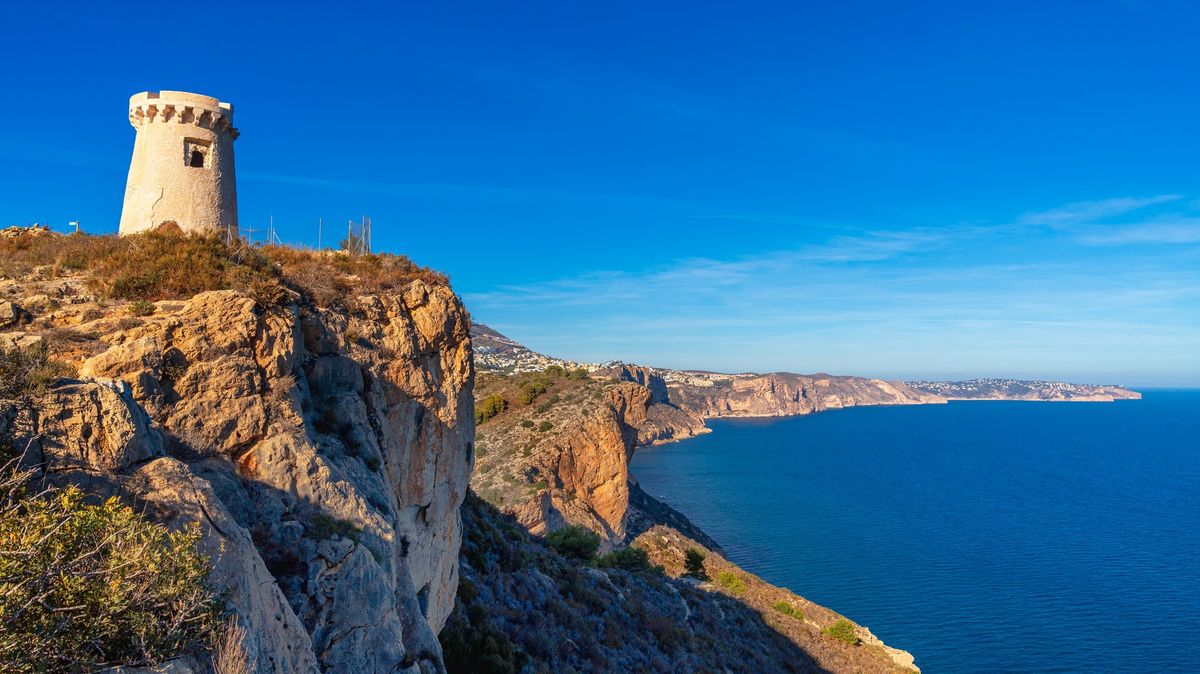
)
(324, 454)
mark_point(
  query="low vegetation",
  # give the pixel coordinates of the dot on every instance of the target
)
(843, 630)
(141, 308)
(629, 559)
(322, 527)
(787, 609)
(29, 371)
(693, 564)
(87, 586)
(167, 264)
(732, 582)
(490, 407)
(575, 542)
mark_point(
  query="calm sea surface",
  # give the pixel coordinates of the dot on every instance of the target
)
(980, 536)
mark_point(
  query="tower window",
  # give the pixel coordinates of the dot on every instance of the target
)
(195, 152)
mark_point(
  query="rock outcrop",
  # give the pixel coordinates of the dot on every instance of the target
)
(324, 453)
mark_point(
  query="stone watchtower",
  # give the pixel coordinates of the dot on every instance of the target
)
(182, 167)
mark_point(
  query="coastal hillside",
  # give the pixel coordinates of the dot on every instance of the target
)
(306, 415)
(1017, 389)
(528, 606)
(552, 456)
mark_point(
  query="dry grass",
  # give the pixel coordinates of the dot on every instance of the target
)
(310, 272)
(164, 265)
(229, 651)
(28, 371)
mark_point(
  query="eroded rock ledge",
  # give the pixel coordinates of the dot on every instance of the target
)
(324, 454)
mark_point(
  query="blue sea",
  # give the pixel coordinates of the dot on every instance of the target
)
(981, 536)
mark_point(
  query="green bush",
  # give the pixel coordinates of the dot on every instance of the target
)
(28, 371)
(141, 308)
(88, 586)
(730, 581)
(629, 559)
(555, 371)
(787, 609)
(526, 423)
(490, 407)
(530, 391)
(843, 630)
(544, 426)
(575, 542)
(323, 527)
(693, 564)
(578, 373)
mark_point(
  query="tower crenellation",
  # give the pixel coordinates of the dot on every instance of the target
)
(182, 170)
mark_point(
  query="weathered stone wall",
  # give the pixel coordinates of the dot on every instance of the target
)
(163, 186)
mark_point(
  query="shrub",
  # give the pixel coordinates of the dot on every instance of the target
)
(544, 426)
(787, 609)
(328, 279)
(730, 581)
(555, 371)
(629, 559)
(88, 586)
(323, 527)
(526, 423)
(28, 371)
(843, 630)
(141, 308)
(575, 542)
(693, 564)
(578, 373)
(533, 387)
(472, 643)
(490, 407)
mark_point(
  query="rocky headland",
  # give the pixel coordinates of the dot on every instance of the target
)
(1017, 389)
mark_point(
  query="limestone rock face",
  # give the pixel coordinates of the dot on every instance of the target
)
(95, 426)
(324, 453)
(784, 394)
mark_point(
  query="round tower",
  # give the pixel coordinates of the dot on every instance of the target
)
(182, 167)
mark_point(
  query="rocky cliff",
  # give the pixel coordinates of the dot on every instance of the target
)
(324, 451)
(560, 455)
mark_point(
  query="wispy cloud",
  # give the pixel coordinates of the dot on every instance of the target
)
(1171, 230)
(1085, 212)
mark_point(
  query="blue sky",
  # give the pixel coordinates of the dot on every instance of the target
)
(890, 189)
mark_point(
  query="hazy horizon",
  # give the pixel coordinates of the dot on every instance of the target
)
(933, 191)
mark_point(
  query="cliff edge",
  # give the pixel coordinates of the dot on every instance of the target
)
(323, 448)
